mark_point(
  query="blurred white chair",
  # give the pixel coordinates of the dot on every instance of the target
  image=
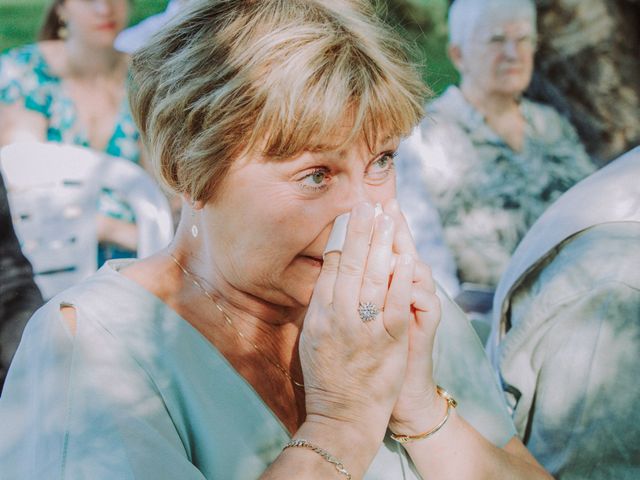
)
(53, 195)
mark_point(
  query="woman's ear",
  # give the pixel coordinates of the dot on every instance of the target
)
(194, 204)
(455, 55)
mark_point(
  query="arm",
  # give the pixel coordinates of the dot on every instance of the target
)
(457, 450)
(17, 124)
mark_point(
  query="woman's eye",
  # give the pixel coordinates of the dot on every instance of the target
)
(316, 180)
(382, 166)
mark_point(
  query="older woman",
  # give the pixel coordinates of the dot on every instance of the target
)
(242, 351)
(492, 160)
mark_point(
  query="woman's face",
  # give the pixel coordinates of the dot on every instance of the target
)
(498, 57)
(269, 225)
(95, 22)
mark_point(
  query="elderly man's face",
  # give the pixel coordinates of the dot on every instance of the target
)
(272, 219)
(498, 56)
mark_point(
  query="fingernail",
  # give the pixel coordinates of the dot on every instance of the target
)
(363, 210)
(338, 234)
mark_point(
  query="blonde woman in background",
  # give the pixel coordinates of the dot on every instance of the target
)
(243, 351)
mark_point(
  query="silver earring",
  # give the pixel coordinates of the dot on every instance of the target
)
(194, 227)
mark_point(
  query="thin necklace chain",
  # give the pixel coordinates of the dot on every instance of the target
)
(229, 322)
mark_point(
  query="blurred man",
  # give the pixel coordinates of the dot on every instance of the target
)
(566, 332)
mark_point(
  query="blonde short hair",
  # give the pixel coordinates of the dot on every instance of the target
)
(274, 76)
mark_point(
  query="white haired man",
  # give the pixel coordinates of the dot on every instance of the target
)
(492, 160)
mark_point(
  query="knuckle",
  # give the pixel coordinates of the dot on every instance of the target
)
(395, 307)
(377, 280)
(350, 268)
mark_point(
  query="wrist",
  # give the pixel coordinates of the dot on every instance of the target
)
(339, 439)
(410, 432)
(419, 414)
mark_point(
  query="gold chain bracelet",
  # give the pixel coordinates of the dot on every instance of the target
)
(451, 403)
(299, 442)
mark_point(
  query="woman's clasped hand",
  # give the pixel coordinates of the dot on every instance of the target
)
(360, 374)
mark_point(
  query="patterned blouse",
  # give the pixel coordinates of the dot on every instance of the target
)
(487, 194)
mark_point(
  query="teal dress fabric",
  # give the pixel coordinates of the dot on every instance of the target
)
(139, 393)
(26, 78)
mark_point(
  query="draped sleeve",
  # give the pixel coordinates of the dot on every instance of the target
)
(463, 369)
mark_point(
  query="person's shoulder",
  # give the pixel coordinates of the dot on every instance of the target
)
(106, 298)
(16, 65)
(546, 119)
(25, 70)
(598, 258)
(21, 53)
(448, 103)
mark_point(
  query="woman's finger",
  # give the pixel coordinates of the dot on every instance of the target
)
(353, 259)
(423, 277)
(397, 308)
(426, 307)
(375, 282)
(403, 242)
(323, 289)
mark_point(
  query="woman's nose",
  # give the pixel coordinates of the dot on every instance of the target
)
(510, 48)
(358, 193)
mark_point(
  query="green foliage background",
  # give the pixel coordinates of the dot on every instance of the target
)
(422, 22)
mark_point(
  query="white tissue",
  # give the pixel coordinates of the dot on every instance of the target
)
(339, 231)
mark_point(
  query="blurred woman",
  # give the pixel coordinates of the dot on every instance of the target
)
(492, 160)
(69, 87)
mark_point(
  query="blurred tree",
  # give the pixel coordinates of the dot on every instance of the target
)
(423, 23)
(588, 67)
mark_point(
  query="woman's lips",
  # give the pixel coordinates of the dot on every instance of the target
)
(316, 261)
(106, 26)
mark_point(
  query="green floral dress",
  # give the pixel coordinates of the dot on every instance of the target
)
(27, 78)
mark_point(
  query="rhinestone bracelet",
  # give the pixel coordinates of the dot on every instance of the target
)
(299, 442)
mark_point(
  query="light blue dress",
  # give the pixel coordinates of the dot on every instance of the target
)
(139, 393)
